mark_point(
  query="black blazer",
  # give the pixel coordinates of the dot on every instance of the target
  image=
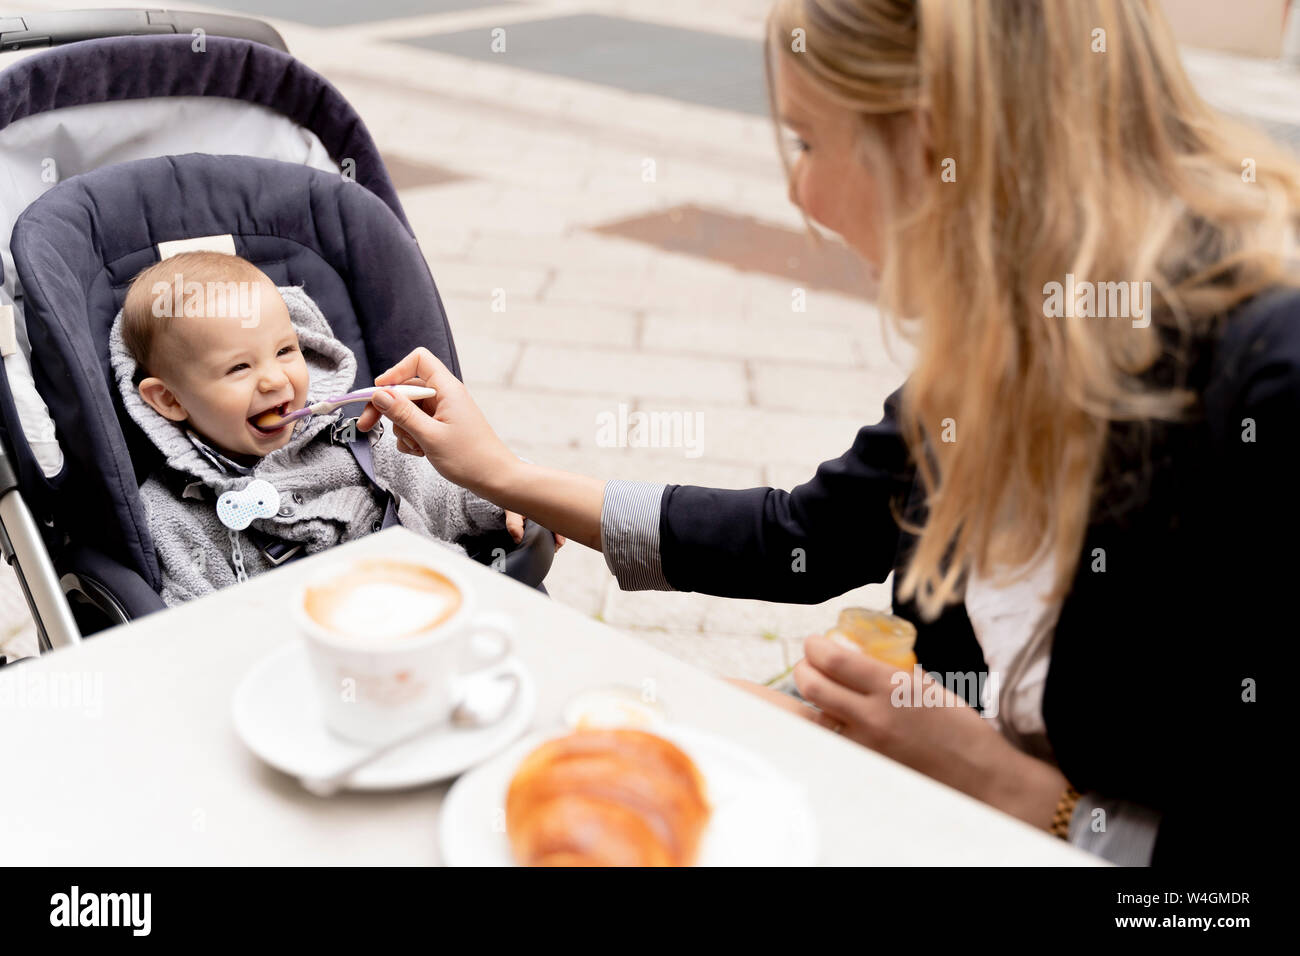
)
(1152, 656)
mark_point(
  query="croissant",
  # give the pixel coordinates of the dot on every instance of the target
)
(606, 797)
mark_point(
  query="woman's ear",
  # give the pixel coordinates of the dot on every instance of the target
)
(162, 399)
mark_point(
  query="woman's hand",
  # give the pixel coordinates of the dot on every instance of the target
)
(915, 720)
(448, 429)
(451, 432)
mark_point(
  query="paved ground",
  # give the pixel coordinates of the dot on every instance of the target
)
(611, 177)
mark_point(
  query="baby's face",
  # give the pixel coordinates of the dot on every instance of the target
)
(222, 374)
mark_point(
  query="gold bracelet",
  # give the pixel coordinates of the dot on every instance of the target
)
(1064, 811)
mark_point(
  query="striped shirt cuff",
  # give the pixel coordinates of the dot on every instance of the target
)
(1129, 834)
(629, 534)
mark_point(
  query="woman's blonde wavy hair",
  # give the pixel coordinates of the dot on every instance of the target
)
(1068, 160)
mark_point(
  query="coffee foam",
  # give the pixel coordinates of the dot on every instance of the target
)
(381, 599)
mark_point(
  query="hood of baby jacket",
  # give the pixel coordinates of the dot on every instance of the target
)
(330, 364)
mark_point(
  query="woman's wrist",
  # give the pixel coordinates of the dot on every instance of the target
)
(501, 482)
(564, 502)
(1025, 787)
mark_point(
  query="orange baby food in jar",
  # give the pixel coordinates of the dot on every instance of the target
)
(882, 635)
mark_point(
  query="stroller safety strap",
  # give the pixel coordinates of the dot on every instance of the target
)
(345, 432)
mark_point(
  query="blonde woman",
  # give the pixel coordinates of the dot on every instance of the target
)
(1078, 492)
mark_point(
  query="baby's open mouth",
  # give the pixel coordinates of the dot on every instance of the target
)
(268, 421)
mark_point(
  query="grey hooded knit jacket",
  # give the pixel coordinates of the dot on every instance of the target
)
(324, 496)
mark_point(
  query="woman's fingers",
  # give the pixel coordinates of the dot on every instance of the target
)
(405, 443)
(849, 666)
(405, 370)
(837, 701)
(409, 419)
(366, 420)
(420, 367)
(448, 429)
(371, 413)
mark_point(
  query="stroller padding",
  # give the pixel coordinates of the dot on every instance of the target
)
(139, 67)
(78, 247)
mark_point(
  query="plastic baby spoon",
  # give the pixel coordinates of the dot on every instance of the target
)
(272, 419)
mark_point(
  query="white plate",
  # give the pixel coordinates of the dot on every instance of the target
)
(759, 818)
(277, 715)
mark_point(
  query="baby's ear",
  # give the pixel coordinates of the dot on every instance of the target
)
(162, 399)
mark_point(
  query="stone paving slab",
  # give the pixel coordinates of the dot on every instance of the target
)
(653, 375)
(485, 360)
(774, 340)
(548, 419)
(769, 436)
(524, 320)
(823, 390)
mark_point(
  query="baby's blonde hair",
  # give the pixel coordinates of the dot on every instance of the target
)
(1075, 145)
(143, 330)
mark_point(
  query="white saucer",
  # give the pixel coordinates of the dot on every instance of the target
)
(759, 818)
(278, 717)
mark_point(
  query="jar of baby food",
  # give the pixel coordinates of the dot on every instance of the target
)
(884, 636)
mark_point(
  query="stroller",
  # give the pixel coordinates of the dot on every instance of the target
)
(184, 136)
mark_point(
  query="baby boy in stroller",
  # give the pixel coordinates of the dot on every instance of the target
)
(195, 369)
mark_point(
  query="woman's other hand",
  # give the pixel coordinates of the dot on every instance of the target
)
(914, 719)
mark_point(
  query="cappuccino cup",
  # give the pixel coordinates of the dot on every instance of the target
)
(390, 641)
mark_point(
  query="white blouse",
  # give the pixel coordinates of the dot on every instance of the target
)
(1014, 626)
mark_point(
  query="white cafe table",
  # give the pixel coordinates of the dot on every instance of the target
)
(155, 774)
